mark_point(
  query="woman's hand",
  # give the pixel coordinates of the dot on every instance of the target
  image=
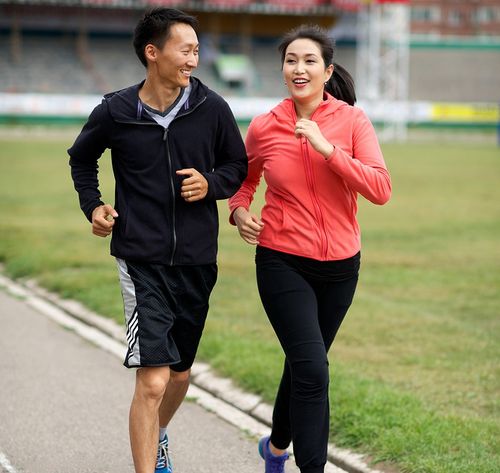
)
(310, 130)
(249, 225)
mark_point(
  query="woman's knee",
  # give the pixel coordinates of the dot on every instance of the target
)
(310, 379)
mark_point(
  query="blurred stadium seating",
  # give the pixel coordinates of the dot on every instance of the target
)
(69, 46)
(51, 64)
(48, 63)
(84, 47)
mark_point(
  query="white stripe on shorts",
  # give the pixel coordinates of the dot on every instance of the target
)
(131, 314)
(132, 329)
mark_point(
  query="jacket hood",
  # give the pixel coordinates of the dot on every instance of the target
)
(125, 106)
(285, 110)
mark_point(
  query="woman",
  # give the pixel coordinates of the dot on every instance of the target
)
(317, 152)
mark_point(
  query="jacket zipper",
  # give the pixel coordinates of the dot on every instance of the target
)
(317, 206)
(169, 159)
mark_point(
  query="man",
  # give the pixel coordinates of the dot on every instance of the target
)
(175, 150)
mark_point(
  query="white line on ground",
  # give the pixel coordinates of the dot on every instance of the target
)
(5, 464)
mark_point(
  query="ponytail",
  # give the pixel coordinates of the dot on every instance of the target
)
(341, 85)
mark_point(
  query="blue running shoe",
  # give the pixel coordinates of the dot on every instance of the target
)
(274, 463)
(163, 461)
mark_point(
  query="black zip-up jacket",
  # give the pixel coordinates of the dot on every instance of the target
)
(154, 223)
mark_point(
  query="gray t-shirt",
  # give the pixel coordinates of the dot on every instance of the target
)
(165, 118)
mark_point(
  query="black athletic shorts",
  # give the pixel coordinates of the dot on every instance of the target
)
(165, 312)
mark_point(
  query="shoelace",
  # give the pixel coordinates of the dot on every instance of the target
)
(162, 457)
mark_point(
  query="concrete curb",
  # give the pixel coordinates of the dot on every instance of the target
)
(245, 410)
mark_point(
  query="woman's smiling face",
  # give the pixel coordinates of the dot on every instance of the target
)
(304, 70)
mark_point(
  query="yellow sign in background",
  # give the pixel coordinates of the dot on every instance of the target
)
(470, 113)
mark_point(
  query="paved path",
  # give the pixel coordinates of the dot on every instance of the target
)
(64, 407)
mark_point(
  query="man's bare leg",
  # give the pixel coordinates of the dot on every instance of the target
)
(174, 395)
(150, 386)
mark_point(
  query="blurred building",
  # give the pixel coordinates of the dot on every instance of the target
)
(441, 18)
(84, 46)
(455, 50)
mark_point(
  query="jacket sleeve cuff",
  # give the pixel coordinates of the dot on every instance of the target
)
(235, 203)
(231, 214)
(89, 209)
(332, 154)
(211, 194)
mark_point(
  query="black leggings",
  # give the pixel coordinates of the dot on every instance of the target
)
(305, 301)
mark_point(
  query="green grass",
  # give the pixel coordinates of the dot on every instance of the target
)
(415, 367)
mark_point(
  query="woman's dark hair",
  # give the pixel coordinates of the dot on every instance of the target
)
(154, 28)
(341, 83)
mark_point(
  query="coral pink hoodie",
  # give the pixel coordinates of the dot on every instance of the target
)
(311, 203)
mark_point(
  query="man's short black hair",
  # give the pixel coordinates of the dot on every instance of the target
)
(154, 28)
